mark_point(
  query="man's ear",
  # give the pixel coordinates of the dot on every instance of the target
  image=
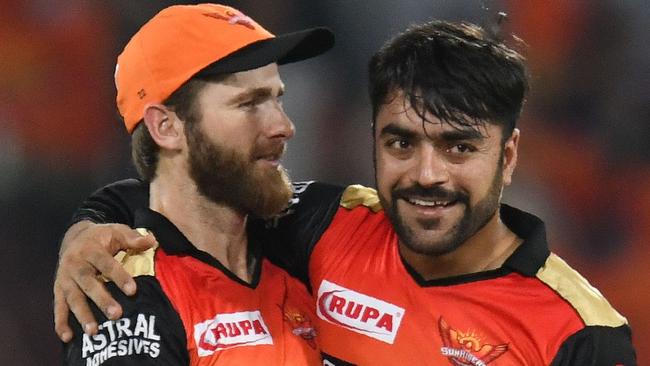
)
(510, 156)
(164, 126)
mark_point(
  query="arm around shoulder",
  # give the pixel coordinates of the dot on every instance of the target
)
(115, 202)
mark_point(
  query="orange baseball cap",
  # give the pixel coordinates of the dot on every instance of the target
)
(184, 40)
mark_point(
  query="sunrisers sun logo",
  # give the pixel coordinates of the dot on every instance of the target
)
(358, 312)
(245, 328)
(467, 348)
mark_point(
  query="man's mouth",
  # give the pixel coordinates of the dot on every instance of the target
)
(425, 202)
(272, 161)
(272, 157)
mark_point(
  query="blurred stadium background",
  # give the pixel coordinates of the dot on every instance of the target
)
(585, 147)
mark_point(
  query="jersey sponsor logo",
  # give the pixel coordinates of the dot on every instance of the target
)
(123, 337)
(245, 328)
(358, 312)
(300, 325)
(467, 348)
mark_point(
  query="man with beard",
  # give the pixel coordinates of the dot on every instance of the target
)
(431, 268)
(199, 89)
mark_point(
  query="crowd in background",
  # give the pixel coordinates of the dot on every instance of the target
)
(584, 152)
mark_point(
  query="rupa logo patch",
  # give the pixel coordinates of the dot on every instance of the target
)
(245, 328)
(358, 312)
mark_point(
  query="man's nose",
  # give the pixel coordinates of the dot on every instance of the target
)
(431, 168)
(280, 126)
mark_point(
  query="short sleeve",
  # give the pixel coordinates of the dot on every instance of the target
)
(114, 203)
(150, 332)
(598, 346)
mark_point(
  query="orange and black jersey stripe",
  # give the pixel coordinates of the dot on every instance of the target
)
(373, 309)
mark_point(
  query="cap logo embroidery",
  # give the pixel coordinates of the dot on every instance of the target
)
(233, 18)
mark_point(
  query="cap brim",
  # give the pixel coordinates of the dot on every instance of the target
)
(282, 49)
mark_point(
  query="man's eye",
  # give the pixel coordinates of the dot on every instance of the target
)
(399, 144)
(248, 104)
(461, 149)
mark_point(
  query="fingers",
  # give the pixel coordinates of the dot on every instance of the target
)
(95, 289)
(97, 244)
(61, 310)
(123, 237)
(68, 296)
(113, 271)
(79, 306)
(87, 249)
(73, 232)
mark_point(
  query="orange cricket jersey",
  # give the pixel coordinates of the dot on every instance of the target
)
(190, 310)
(372, 308)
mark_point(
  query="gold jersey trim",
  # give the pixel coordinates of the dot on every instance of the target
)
(137, 263)
(590, 304)
(357, 195)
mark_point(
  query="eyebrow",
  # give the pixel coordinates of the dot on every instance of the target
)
(452, 135)
(254, 93)
(393, 129)
(464, 134)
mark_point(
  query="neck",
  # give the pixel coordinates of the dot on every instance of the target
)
(486, 250)
(214, 228)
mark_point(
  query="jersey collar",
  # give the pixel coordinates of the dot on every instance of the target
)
(527, 259)
(173, 242)
(531, 255)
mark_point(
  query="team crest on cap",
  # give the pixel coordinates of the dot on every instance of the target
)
(467, 348)
(233, 18)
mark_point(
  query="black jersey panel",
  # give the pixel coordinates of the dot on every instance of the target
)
(150, 332)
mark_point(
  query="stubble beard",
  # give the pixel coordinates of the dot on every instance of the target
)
(473, 219)
(226, 176)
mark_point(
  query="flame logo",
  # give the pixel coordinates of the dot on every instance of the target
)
(301, 326)
(467, 348)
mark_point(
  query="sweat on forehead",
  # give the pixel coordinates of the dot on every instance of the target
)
(454, 72)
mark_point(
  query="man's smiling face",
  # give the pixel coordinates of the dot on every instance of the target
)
(439, 184)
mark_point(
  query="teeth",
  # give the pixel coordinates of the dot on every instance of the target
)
(428, 203)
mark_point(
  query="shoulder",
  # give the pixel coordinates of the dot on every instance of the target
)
(357, 195)
(125, 188)
(312, 193)
(597, 345)
(138, 263)
(149, 332)
(604, 337)
(314, 206)
(592, 307)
